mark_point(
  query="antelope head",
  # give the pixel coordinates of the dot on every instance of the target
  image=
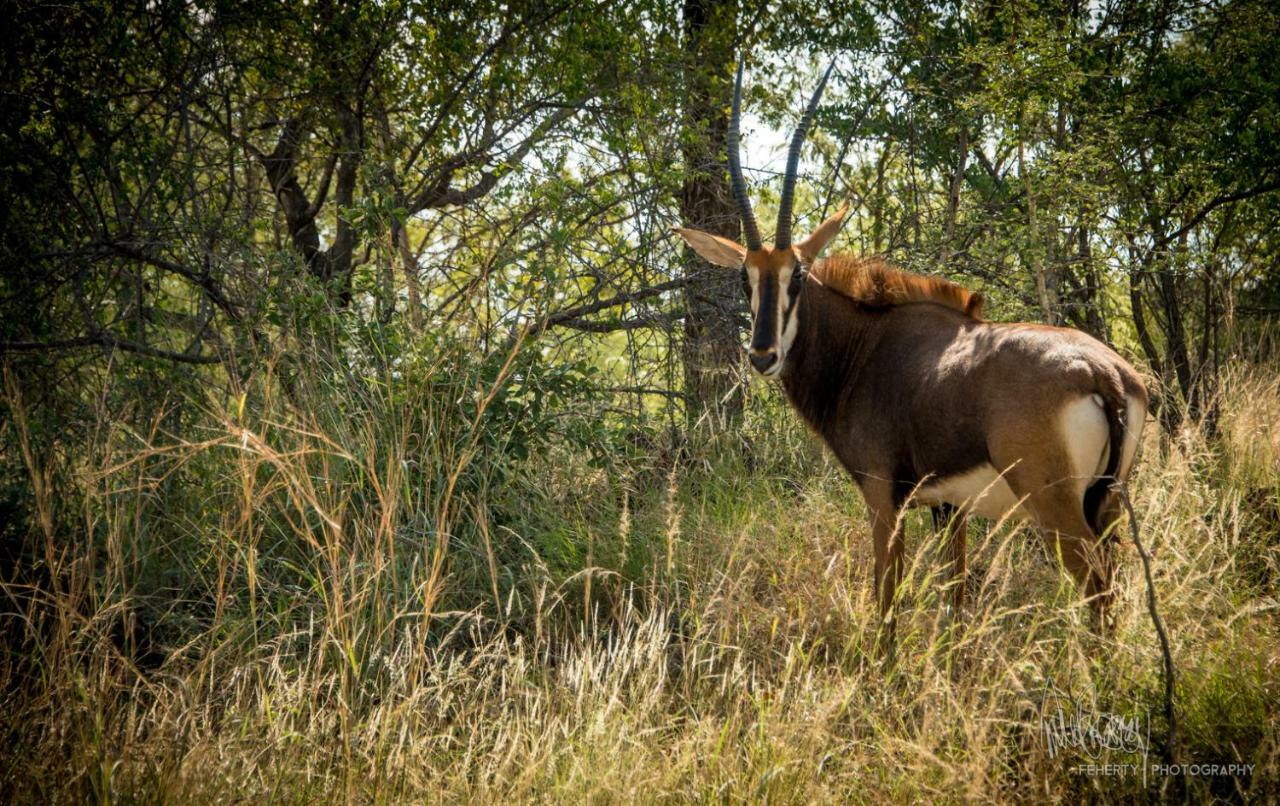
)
(772, 276)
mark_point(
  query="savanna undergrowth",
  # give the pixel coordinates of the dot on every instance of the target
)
(398, 586)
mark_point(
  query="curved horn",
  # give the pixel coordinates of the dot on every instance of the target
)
(783, 239)
(749, 228)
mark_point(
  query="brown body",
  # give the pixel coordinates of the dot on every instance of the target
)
(912, 394)
(926, 404)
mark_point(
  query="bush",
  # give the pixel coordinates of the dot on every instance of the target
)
(437, 575)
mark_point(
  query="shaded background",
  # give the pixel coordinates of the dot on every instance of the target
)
(333, 333)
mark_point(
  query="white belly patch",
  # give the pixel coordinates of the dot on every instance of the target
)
(982, 491)
(1082, 429)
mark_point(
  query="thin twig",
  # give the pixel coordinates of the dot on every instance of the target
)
(1169, 748)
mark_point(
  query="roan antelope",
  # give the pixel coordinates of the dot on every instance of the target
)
(924, 403)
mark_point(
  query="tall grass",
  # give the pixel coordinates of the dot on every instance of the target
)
(355, 592)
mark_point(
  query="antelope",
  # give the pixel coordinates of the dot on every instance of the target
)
(926, 404)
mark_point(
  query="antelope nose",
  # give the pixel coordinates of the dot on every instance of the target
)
(762, 361)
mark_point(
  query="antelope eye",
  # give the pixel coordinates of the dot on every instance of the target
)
(797, 277)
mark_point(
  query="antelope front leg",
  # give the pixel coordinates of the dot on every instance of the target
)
(887, 538)
(888, 551)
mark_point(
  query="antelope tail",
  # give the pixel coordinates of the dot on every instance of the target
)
(1115, 407)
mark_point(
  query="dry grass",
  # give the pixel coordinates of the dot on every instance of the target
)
(285, 609)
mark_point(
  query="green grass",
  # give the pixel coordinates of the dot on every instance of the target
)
(368, 599)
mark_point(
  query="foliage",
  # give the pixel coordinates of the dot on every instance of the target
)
(353, 443)
(247, 616)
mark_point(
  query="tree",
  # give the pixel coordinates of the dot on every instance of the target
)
(712, 296)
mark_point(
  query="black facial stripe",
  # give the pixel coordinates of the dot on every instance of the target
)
(763, 335)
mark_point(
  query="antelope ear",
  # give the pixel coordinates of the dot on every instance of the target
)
(812, 246)
(713, 248)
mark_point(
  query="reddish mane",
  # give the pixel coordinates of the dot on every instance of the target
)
(872, 281)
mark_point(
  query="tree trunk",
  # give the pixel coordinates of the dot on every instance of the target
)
(1095, 311)
(409, 264)
(953, 195)
(877, 213)
(1043, 286)
(714, 296)
(1177, 357)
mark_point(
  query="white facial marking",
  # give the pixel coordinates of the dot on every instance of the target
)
(784, 334)
(777, 319)
(793, 326)
(753, 280)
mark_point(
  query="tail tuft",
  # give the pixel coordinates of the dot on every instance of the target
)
(1115, 408)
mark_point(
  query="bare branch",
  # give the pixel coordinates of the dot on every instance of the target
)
(202, 279)
(442, 194)
(322, 192)
(575, 314)
(1213, 204)
(109, 341)
(614, 325)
